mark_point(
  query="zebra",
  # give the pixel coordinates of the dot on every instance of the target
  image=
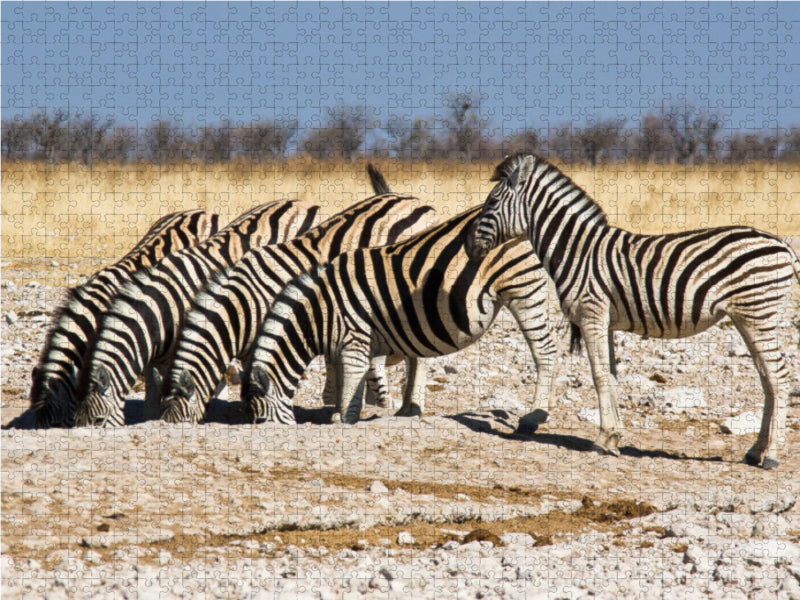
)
(417, 299)
(74, 326)
(666, 286)
(225, 317)
(137, 332)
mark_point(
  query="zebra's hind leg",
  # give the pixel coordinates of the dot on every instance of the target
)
(771, 366)
(414, 388)
(152, 393)
(331, 382)
(533, 324)
(377, 392)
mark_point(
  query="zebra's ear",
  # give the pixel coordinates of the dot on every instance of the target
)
(522, 173)
(186, 382)
(100, 379)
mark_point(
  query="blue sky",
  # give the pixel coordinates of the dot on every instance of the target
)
(534, 65)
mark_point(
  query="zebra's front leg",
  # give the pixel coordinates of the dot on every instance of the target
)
(414, 388)
(353, 366)
(772, 371)
(598, 346)
(152, 393)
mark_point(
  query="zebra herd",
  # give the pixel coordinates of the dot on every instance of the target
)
(382, 279)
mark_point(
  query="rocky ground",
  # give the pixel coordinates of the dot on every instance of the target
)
(452, 505)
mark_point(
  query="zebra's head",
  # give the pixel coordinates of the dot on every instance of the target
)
(181, 404)
(504, 215)
(52, 397)
(264, 399)
(102, 406)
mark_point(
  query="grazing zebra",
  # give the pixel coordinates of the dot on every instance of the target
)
(138, 330)
(75, 321)
(419, 298)
(667, 286)
(225, 317)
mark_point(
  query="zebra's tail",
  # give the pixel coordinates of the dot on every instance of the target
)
(377, 181)
(574, 339)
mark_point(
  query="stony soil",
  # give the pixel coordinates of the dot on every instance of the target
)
(452, 505)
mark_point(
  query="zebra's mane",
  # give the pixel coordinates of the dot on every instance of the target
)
(510, 164)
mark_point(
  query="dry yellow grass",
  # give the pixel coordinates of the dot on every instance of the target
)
(69, 211)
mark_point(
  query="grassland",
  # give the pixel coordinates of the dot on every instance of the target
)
(70, 211)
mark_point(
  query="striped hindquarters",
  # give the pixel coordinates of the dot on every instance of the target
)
(75, 321)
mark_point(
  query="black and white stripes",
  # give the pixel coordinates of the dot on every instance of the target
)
(225, 317)
(667, 286)
(138, 330)
(75, 323)
(419, 298)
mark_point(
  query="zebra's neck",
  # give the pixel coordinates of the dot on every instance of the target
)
(565, 223)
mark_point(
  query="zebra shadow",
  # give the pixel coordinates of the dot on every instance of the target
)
(23, 421)
(234, 413)
(485, 423)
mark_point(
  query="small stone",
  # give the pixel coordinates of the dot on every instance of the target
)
(9, 285)
(54, 263)
(11, 317)
(658, 378)
(90, 556)
(377, 487)
(462, 497)
(589, 415)
(450, 370)
(680, 398)
(747, 422)
(451, 545)
(793, 393)
(404, 538)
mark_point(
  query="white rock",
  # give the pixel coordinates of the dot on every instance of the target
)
(404, 538)
(680, 399)
(377, 487)
(11, 317)
(747, 422)
(590, 415)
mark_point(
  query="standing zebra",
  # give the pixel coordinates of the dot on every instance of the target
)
(75, 322)
(418, 298)
(667, 286)
(137, 332)
(225, 317)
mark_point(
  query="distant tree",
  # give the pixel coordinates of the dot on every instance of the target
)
(693, 134)
(340, 137)
(17, 136)
(118, 145)
(86, 139)
(165, 143)
(562, 144)
(265, 139)
(790, 146)
(750, 147)
(653, 141)
(214, 144)
(413, 141)
(597, 140)
(464, 126)
(525, 141)
(48, 132)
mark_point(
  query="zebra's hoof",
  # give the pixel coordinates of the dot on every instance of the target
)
(336, 418)
(766, 463)
(604, 451)
(412, 411)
